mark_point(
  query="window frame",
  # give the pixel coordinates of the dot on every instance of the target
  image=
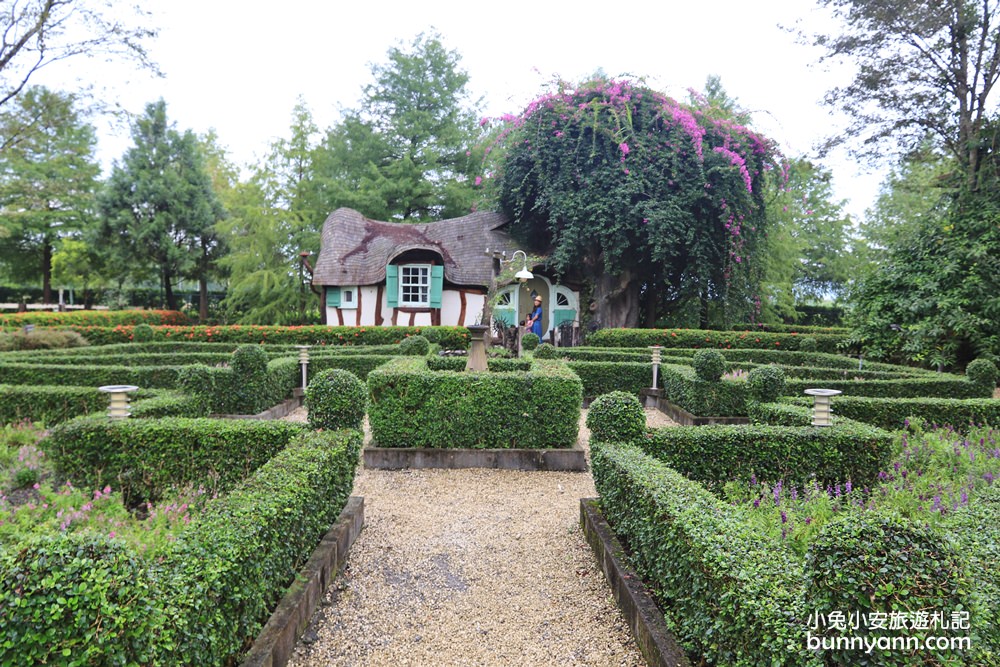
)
(426, 283)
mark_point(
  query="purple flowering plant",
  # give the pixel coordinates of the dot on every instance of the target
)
(933, 473)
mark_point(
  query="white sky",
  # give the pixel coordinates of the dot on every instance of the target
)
(239, 66)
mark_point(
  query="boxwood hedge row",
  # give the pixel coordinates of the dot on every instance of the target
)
(144, 457)
(413, 406)
(51, 405)
(88, 375)
(704, 398)
(702, 338)
(86, 599)
(891, 413)
(728, 594)
(943, 386)
(715, 455)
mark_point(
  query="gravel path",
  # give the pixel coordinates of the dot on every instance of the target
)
(470, 567)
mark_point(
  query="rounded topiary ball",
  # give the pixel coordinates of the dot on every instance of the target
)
(336, 399)
(545, 351)
(249, 361)
(709, 365)
(414, 346)
(766, 383)
(808, 344)
(530, 341)
(982, 372)
(616, 417)
(142, 333)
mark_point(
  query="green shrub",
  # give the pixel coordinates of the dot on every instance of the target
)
(546, 351)
(941, 385)
(709, 365)
(231, 566)
(808, 344)
(766, 383)
(715, 455)
(249, 361)
(616, 417)
(982, 372)
(142, 333)
(336, 399)
(102, 318)
(414, 346)
(730, 596)
(703, 398)
(530, 341)
(41, 339)
(976, 529)
(703, 338)
(144, 457)
(79, 599)
(892, 413)
(872, 562)
(412, 406)
(604, 377)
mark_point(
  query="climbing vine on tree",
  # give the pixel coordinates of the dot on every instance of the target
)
(657, 205)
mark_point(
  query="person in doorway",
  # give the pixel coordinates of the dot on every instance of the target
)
(534, 322)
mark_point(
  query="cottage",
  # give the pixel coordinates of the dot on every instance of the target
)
(374, 273)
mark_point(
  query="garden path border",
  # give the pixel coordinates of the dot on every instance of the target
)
(655, 641)
(398, 458)
(276, 642)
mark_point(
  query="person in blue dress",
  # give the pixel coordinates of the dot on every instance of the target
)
(534, 322)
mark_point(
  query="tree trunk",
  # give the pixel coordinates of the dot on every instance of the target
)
(46, 271)
(202, 299)
(168, 291)
(617, 299)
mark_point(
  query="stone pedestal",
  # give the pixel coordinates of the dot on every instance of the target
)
(477, 348)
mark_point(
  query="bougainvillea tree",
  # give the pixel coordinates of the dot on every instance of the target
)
(655, 205)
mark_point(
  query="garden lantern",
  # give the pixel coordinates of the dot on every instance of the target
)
(822, 406)
(656, 364)
(118, 408)
(303, 361)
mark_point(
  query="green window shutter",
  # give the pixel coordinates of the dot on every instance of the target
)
(392, 285)
(333, 297)
(437, 285)
(560, 315)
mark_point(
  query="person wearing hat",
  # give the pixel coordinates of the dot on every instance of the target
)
(534, 322)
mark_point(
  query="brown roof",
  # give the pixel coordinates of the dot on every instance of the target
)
(355, 250)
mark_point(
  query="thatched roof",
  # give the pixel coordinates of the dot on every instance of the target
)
(356, 250)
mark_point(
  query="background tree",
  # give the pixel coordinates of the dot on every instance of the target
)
(48, 182)
(640, 196)
(158, 209)
(923, 67)
(277, 214)
(38, 34)
(406, 153)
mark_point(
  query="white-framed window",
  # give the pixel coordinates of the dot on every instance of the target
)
(415, 285)
(349, 297)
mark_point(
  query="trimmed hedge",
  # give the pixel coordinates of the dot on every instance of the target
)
(604, 377)
(238, 390)
(715, 455)
(79, 599)
(704, 338)
(100, 318)
(701, 397)
(876, 562)
(944, 386)
(144, 457)
(359, 364)
(84, 599)
(728, 594)
(976, 529)
(52, 405)
(449, 338)
(336, 399)
(231, 567)
(890, 413)
(412, 406)
(495, 364)
(87, 375)
(616, 417)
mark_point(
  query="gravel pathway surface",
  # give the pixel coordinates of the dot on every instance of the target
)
(470, 567)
